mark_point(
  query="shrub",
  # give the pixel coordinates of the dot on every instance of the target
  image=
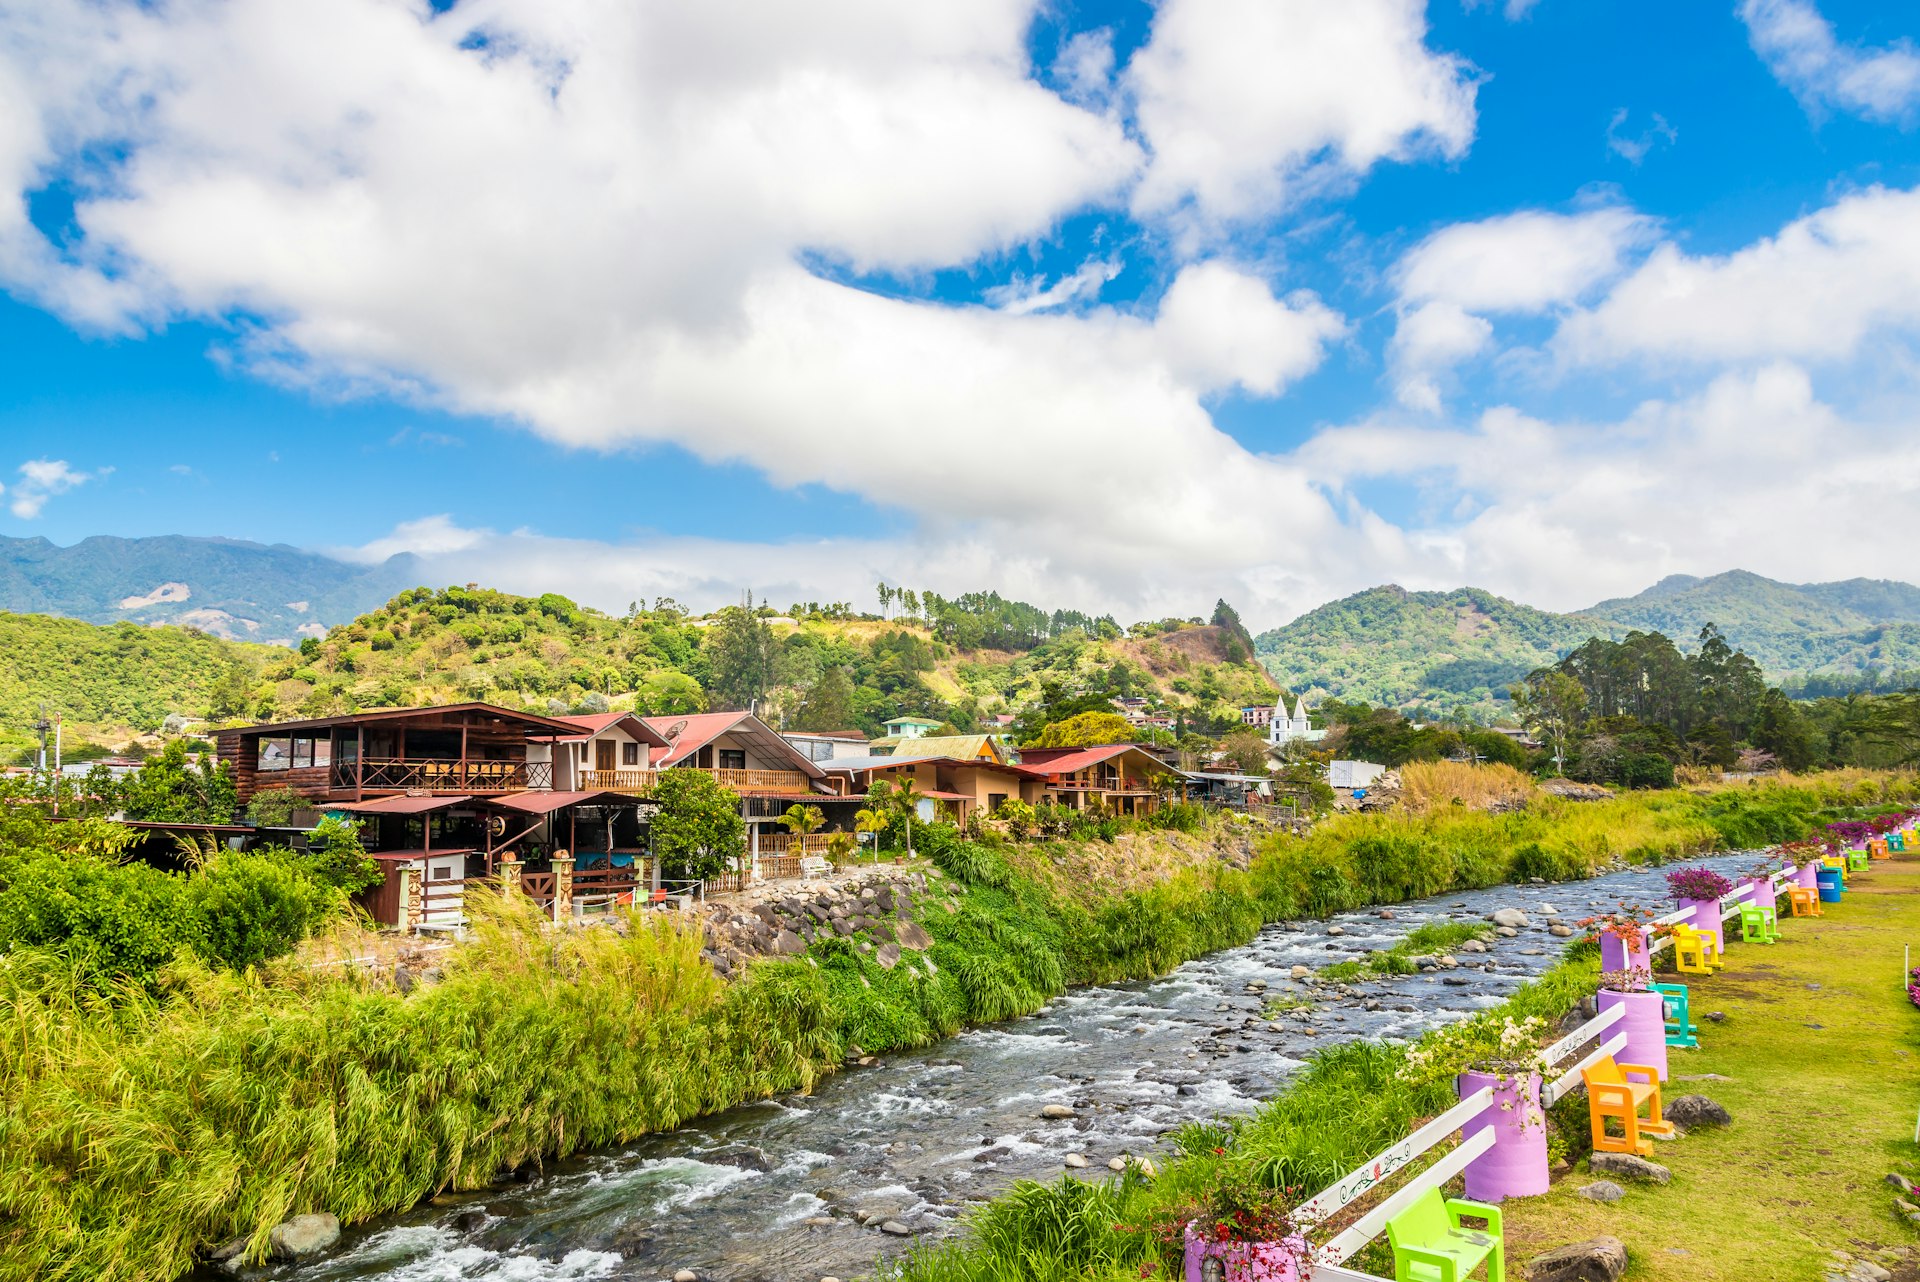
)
(249, 908)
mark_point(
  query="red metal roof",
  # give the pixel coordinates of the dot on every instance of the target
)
(694, 731)
(594, 723)
(545, 803)
(1080, 759)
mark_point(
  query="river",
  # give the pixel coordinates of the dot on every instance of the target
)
(791, 1189)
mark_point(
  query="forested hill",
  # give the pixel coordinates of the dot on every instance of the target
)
(1441, 651)
(963, 661)
(227, 587)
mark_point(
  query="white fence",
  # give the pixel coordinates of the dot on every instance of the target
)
(1375, 1171)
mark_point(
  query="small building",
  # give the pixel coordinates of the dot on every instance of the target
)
(1257, 717)
(910, 727)
(609, 745)
(1351, 776)
(825, 745)
(1125, 778)
(967, 747)
(966, 786)
(1285, 727)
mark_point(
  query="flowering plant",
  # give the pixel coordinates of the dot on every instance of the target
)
(1633, 979)
(1913, 986)
(1485, 1043)
(1697, 883)
(1236, 1208)
(1632, 925)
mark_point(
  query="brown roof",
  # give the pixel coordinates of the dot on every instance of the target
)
(402, 805)
(529, 719)
(592, 725)
(545, 803)
(690, 733)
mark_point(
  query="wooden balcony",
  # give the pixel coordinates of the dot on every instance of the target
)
(448, 776)
(744, 782)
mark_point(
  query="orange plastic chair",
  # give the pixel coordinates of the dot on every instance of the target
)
(1612, 1094)
(1804, 902)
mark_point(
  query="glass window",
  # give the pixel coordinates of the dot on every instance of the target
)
(732, 759)
(302, 753)
(629, 754)
(323, 752)
(276, 754)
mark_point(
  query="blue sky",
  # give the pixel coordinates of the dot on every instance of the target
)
(794, 356)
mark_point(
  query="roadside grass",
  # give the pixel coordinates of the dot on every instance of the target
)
(1822, 1048)
(1430, 940)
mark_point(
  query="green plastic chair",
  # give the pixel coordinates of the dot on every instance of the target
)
(1675, 1004)
(1430, 1246)
(1754, 926)
(1857, 860)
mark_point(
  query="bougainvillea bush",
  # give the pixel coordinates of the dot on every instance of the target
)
(1913, 985)
(1697, 883)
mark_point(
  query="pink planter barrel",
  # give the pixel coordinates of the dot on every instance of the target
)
(1242, 1261)
(1516, 1165)
(1807, 875)
(1645, 1025)
(1760, 892)
(1615, 955)
(1706, 917)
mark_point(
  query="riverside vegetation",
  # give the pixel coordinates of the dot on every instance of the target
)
(145, 1119)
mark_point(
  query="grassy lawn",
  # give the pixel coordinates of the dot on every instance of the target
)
(1821, 1046)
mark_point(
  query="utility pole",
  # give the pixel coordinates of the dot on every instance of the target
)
(42, 726)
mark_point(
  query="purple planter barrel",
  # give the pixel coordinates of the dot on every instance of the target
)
(1614, 954)
(1706, 917)
(1516, 1165)
(1645, 1025)
(1808, 875)
(1242, 1261)
(1760, 892)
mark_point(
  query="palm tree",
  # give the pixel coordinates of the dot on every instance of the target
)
(874, 821)
(905, 801)
(802, 820)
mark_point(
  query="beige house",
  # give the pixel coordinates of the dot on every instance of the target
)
(965, 786)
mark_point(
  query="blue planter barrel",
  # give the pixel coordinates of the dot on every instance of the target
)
(1829, 882)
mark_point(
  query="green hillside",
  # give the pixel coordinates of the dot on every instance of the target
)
(1444, 652)
(108, 682)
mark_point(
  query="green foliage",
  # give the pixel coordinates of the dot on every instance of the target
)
(244, 909)
(169, 788)
(337, 858)
(697, 830)
(275, 807)
(1085, 730)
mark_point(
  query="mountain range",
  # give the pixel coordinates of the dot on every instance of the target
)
(1442, 651)
(1459, 650)
(225, 587)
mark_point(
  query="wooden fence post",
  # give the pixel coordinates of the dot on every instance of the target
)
(562, 886)
(510, 877)
(413, 908)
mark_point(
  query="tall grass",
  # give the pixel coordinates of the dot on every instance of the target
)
(1426, 786)
(146, 1123)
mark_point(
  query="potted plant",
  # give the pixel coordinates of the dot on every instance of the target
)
(1625, 937)
(1240, 1230)
(1504, 1053)
(1700, 889)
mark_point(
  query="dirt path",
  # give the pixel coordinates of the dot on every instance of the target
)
(1822, 1051)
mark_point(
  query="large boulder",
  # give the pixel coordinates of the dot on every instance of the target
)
(1601, 1259)
(1511, 917)
(912, 935)
(1602, 1191)
(888, 955)
(1693, 1111)
(303, 1236)
(1628, 1166)
(788, 944)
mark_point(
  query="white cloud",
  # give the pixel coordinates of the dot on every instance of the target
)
(1817, 291)
(1523, 263)
(41, 480)
(1245, 102)
(1022, 295)
(428, 536)
(1219, 327)
(1800, 48)
(1747, 473)
(1634, 149)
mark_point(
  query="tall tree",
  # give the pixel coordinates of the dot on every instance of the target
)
(740, 655)
(1551, 704)
(829, 702)
(698, 829)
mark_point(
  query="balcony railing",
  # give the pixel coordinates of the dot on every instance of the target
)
(375, 774)
(641, 782)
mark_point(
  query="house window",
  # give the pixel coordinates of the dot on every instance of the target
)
(276, 754)
(995, 800)
(580, 750)
(629, 754)
(732, 759)
(443, 873)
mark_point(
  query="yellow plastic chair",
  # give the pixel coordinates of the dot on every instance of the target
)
(1696, 951)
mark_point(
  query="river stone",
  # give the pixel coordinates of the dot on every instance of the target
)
(302, 1236)
(1629, 1166)
(1511, 917)
(888, 955)
(911, 935)
(1116, 1164)
(1558, 931)
(1602, 1191)
(788, 944)
(895, 1228)
(1300, 972)
(1505, 932)
(1600, 1259)
(1473, 946)
(686, 1275)
(1336, 930)
(745, 1156)
(1696, 1110)
(1056, 1112)
(1074, 1161)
